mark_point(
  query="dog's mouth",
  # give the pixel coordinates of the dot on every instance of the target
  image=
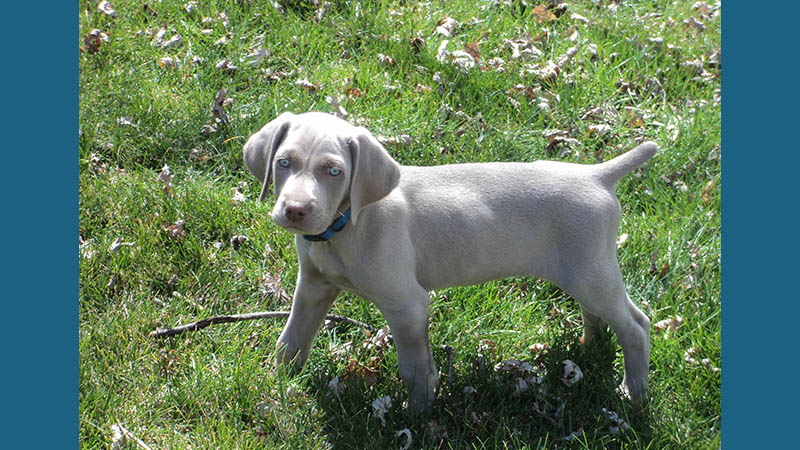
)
(307, 226)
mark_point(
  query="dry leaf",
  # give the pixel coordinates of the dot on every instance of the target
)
(417, 44)
(227, 67)
(538, 348)
(94, 40)
(668, 324)
(407, 433)
(579, 18)
(175, 231)
(218, 106)
(173, 42)
(118, 441)
(541, 14)
(353, 92)
(336, 386)
(623, 238)
(600, 129)
(168, 62)
(473, 48)
(380, 406)
(238, 197)
(620, 424)
(307, 85)
(707, 191)
(386, 60)
(522, 49)
(166, 177)
(237, 241)
(117, 244)
(445, 26)
(572, 373)
(107, 8)
(338, 110)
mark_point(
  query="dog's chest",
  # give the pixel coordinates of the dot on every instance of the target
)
(328, 261)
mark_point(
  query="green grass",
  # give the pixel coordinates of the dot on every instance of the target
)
(217, 388)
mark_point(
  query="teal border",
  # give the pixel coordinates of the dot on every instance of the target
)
(759, 234)
(759, 231)
(40, 225)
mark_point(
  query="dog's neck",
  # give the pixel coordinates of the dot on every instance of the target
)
(334, 228)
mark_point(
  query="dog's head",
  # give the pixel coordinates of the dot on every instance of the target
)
(320, 165)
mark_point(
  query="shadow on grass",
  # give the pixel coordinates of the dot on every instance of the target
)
(484, 406)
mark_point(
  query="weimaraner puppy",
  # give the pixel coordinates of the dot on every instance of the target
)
(393, 233)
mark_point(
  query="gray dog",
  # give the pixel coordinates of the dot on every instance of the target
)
(393, 233)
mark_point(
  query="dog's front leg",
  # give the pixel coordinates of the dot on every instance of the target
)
(408, 321)
(313, 298)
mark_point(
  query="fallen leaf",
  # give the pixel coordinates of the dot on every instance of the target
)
(407, 433)
(619, 423)
(708, 190)
(572, 373)
(353, 92)
(579, 18)
(238, 197)
(541, 14)
(227, 67)
(445, 26)
(107, 8)
(599, 129)
(402, 139)
(336, 386)
(668, 324)
(386, 60)
(522, 49)
(623, 238)
(173, 42)
(338, 109)
(422, 89)
(168, 62)
(165, 176)
(473, 48)
(237, 241)
(117, 244)
(94, 40)
(307, 85)
(175, 231)
(538, 348)
(218, 106)
(118, 440)
(693, 24)
(417, 43)
(380, 406)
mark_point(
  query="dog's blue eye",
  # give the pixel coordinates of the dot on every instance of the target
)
(333, 171)
(283, 163)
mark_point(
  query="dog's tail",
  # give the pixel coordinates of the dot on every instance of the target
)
(610, 172)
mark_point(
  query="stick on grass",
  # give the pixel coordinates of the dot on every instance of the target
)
(164, 332)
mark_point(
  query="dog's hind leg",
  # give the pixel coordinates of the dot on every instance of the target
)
(601, 293)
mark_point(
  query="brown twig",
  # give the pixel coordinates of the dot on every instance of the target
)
(164, 332)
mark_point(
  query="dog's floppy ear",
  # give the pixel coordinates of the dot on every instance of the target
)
(261, 147)
(374, 172)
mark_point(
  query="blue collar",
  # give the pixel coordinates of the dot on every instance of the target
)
(335, 227)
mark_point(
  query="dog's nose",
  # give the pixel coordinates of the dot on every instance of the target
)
(295, 211)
